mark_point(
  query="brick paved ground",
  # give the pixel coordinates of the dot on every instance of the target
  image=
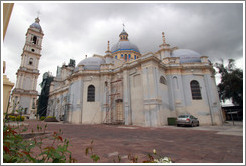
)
(180, 144)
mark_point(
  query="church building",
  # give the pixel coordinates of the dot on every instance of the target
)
(124, 86)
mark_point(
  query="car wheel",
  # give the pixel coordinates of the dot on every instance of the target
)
(198, 124)
(192, 124)
(178, 125)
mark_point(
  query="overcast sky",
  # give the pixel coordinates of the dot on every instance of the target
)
(73, 30)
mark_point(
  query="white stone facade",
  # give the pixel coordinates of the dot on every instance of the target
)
(136, 89)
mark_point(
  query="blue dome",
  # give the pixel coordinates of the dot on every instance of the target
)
(124, 46)
(92, 63)
(187, 56)
(36, 24)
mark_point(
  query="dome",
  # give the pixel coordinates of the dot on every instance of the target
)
(187, 56)
(124, 45)
(36, 24)
(92, 63)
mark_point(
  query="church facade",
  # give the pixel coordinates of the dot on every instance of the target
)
(127, 87)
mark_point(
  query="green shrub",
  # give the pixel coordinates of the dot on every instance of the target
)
(50, 117)
(42, 118)
(16, 149)
(20, 118)
(12, 118)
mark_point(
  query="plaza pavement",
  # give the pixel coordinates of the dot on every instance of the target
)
(203, 144)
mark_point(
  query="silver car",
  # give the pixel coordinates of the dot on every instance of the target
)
(187, 120)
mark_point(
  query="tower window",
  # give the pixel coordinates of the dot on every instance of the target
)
(125, 57)
(34, 40)
(33, 50)
(91, 93)
(33, 103)
(116, 57)
(195, 90)
(122, 55)
(129, 56)
(30, 61)
(135, 57)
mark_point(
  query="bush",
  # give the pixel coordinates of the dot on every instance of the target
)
(42, 118)
(50, 119)
(12, 118)
(16, 149)
(20, 118)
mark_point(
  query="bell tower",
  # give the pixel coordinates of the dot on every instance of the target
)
(24, 95)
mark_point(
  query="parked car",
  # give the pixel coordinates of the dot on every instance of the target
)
(187, 120)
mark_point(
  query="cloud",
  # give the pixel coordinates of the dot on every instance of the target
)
(73, 30)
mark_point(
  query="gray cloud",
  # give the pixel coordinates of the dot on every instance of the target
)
(73, 30)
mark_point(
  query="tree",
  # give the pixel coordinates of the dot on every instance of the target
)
(231, 85)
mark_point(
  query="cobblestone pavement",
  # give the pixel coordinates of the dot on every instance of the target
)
(204, 144)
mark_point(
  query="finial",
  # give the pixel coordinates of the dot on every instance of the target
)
(123, 26)
(37, 20)
(108, 45)
(163, 38)
(85, 56)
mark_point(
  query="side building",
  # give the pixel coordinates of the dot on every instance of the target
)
(44, 96)
(127, 87)
(24, 95)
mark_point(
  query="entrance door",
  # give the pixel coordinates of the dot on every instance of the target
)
(119, 112)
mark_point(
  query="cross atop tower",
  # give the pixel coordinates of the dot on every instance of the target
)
(163, 38)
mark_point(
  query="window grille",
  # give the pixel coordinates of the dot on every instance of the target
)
(91, 93)
(195, 90)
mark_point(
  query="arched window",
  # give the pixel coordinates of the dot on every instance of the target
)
(34, 40)
(30, 61)
(195, 90)
(175, 81)
(91, 93)
(163, 80)
(125, 57)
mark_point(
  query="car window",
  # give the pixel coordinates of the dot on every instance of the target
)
(183, 116)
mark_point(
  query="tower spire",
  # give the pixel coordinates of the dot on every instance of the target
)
(108, 49)
(108, 46)
(163, 38)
